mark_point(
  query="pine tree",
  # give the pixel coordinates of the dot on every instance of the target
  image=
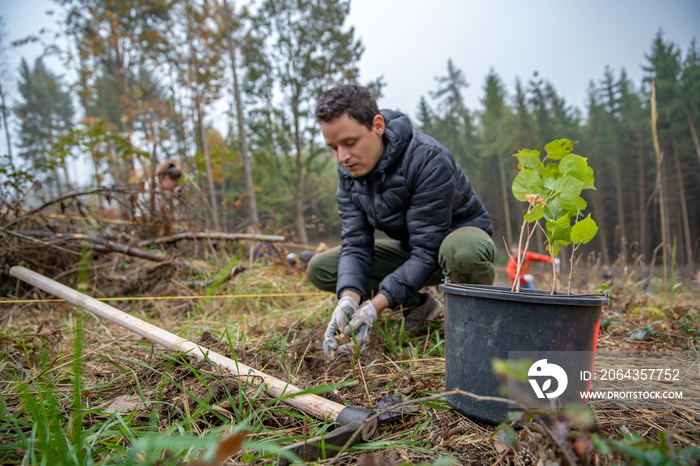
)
(690, 92)
(593, 135)
(525, 125)
(425, 116)
(233, 51)
(454, 125)
(45, 113)
(664, 69)
(498, 123)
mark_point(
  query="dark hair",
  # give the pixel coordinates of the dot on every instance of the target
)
(352, 99)
(170, 170)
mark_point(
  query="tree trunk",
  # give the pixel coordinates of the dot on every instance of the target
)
(601, 226)
(128, 163)
(642, 203)
(57, 182)
(5, 125)
(660, 186)
(84, 93)
(620, 208)
(53, 136)
(66, 176)
(207, 161)
(300, 220)
(693, 134)
(202, 134)
(687, 241)
(249, 183)
(504, 190)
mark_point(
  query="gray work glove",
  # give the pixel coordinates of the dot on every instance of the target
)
(360, 326)
(344, 311)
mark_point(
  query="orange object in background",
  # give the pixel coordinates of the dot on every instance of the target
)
(512, 267)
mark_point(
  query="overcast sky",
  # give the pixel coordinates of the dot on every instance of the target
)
(568, 42)
(409, 41)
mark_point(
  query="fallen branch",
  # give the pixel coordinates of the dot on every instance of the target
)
(36, 240)
(72, 195)
(97, 244)
(212, 236)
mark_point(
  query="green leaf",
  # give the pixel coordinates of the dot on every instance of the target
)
(584, 230)
(529, 159)
(554, 209)
(536, 214)
(574, 165)
(526, 182)
(569, 189)
(559, 231)
(580, 204)
(588, 179)
(551, 170)
(435, 406)
(558, 148)
(564, 221)
(554, 248)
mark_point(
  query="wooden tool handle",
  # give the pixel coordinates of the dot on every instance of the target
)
(313, 405)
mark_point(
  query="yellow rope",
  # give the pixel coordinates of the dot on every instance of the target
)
(143, 298)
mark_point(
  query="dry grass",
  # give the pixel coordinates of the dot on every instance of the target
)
(273, 321)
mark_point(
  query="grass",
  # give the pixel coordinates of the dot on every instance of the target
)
(62, 370)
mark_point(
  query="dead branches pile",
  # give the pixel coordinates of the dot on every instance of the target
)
(133, 223)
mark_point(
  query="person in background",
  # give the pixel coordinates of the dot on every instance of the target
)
(404, 183)
(527, 280)
(168, 177)
(264, 251)
(302, 259)
(159, 201)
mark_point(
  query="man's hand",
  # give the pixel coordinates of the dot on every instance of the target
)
(360, 326)
(345, 310)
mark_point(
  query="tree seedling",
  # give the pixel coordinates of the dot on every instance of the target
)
(552, 188)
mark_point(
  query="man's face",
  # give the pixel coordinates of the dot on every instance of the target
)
(168, 184)
(355, 146)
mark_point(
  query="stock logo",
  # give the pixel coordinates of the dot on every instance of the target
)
(541, 369)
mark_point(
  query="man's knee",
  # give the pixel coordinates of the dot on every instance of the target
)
(467, 255)
(322, 271)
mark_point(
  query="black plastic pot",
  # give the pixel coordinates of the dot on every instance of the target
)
(486, 322)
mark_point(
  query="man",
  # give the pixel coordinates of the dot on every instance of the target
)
(160, 201)
(404, 183)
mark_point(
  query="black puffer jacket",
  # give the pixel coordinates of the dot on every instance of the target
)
(416, 194)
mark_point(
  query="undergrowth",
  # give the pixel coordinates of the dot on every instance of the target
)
(77, 390)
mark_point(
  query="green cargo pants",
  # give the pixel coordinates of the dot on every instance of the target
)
(466, 256)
